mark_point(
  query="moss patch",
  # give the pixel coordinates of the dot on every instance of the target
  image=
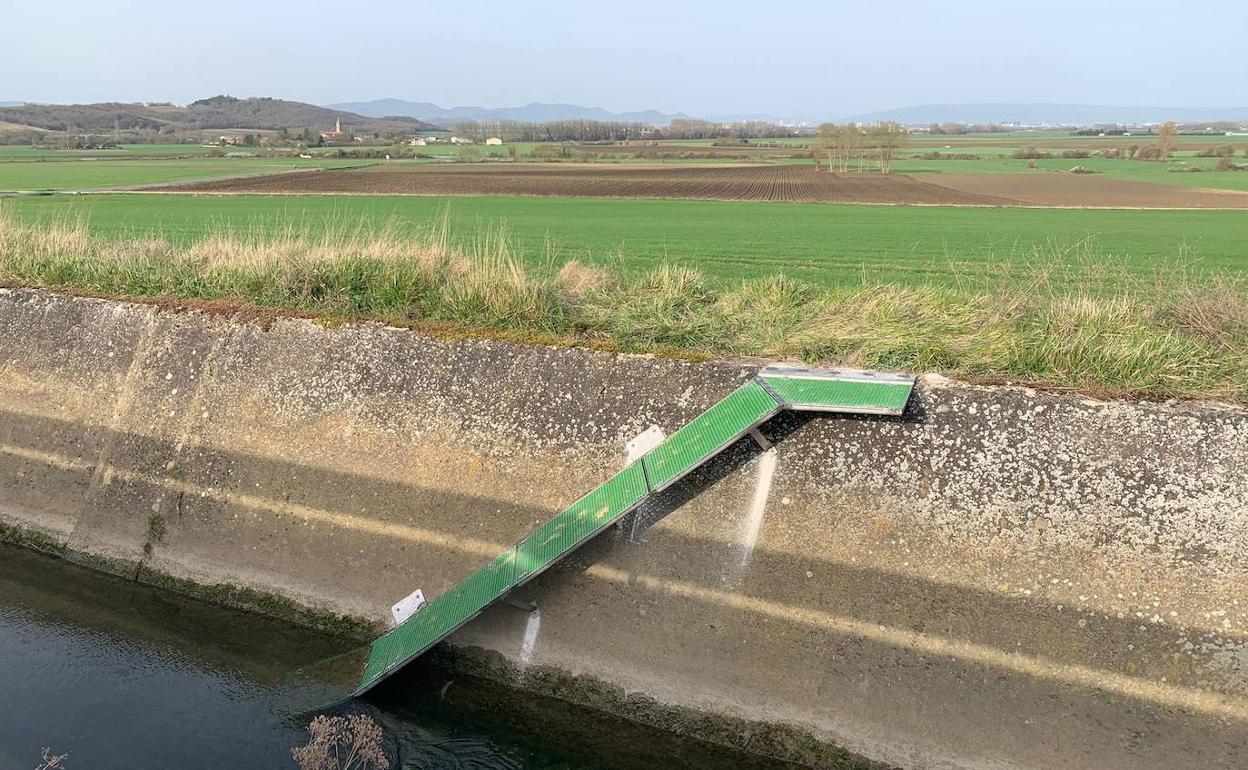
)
(785, 742)
(32, 539)
(224, 594)
(263, 603)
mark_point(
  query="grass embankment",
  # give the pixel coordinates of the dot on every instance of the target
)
(1187, 336)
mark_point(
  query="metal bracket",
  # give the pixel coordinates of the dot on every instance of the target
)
(643, 442)
(408, 606)
(529, 606)
(760, 439)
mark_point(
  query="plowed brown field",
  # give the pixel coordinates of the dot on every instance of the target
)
(744, 183)
(1090, 190)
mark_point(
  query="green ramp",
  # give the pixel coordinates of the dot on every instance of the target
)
(775, 389)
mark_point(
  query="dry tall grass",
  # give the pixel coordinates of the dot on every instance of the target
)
(1178, 334)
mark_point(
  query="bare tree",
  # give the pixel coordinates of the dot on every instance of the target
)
(825, 145)
(468, 130)
(848, 142)
(1165, 139)
(887, 138)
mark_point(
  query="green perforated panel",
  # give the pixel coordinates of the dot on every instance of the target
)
(603, 505)
(440, 617)
(841, 395)
(709, 432)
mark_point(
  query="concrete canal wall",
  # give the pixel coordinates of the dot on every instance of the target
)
(1000, 579)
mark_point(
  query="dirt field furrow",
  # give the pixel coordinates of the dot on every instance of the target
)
(761, 183)
(1090, 190)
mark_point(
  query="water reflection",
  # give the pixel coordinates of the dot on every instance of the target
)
(120, 675)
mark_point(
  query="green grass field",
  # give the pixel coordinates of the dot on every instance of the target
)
(23, 168)
(820, 244)
(19, 153)
(1042, 138)
(25, 152)
(1133, 170)
(1177, 334)
(446, 150)
(120, 171)
(86, 174)
(1122, 301)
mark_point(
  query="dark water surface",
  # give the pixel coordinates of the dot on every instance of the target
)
(123, 676)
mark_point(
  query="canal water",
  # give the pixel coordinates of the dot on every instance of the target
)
(122, 676)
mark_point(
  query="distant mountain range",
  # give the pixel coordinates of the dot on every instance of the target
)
(1051, 114)
(535, 112)
(218, 112)
(226, 112)
(1024, 113)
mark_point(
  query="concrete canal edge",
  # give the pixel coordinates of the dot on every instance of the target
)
(1001, 578)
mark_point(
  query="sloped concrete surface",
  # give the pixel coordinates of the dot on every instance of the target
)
(999, 579)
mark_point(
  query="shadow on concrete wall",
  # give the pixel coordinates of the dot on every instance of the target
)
(1003, 659)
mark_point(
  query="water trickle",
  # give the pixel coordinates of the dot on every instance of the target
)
(532, 628)
(755, 515)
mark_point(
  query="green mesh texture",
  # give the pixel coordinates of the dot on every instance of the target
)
(849, 395)
(709, 433)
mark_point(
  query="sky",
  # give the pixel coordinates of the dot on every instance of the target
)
(784, 58)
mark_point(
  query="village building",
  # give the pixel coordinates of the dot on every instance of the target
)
(336, 134)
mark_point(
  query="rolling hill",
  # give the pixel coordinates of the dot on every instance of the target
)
(535, 112)
(218, 112)
(1051, 114)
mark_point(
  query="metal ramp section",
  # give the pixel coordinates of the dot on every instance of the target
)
(776, 388)
(830, 390)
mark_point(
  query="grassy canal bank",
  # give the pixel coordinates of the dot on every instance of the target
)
(1178, 335)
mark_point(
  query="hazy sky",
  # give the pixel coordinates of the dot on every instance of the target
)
(782, 57)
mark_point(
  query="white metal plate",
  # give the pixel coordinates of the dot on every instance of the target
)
(643, 442)
(408, 606)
